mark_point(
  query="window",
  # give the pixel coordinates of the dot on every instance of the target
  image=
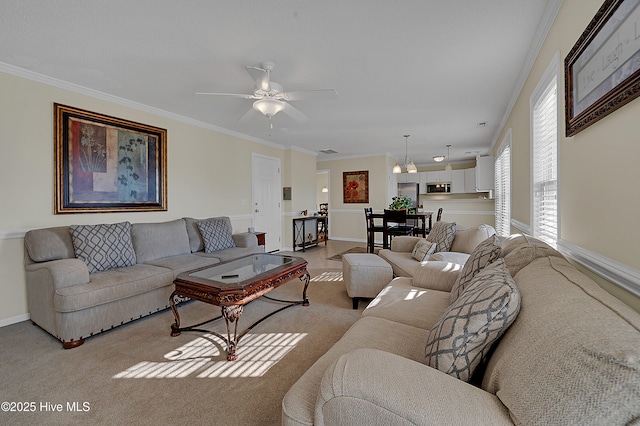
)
(503, 188)
(544, 157)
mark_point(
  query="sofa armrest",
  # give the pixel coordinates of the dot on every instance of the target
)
(404, 243)
(436, 275)
(59, 273)
(245, 239)
(369, 386)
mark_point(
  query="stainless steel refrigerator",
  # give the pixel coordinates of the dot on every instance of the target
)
(411, 191)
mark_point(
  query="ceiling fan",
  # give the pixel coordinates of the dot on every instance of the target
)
(270, 98)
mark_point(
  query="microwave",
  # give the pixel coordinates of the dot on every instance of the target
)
(439, 188)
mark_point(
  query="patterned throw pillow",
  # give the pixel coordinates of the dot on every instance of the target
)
(442, 234)
(484, 254)
(467, 329)
(216, 235)
(423, 249)
(103, 247)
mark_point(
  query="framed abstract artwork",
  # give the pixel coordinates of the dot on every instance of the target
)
(355, 187)
(602, 70)
(105, 164)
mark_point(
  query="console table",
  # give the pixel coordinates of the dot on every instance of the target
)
(305, 232)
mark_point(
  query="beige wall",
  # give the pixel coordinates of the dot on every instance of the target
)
(300, 175)
(346, 220)
(599, 193)
(209, 174)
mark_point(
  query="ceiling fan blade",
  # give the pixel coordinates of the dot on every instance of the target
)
(233, 95)
(319, 94)
(260, 76)
(294, 113)
(248, 116)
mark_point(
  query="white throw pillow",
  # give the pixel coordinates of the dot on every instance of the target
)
(423, 249)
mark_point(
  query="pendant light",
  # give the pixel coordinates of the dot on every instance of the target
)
(448, 166)
(411, 167)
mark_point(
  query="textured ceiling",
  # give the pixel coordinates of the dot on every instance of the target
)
(431, 69)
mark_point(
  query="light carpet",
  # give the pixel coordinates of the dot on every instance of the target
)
(351, 250)
(139, 374)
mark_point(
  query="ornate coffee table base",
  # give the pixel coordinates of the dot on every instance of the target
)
(232, 314)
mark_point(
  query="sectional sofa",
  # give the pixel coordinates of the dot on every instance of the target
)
(521, 338)
(85, 279)
(402, 258)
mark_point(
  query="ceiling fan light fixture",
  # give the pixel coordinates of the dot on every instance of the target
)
(268, 106)
(438, 158)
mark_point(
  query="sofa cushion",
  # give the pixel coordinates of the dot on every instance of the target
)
(158, 240)
(573, 354)
(520, 250)
(402, 302)
(110, 286)
(450, 256)
(423, 249)
(436, 275)
(216, 235)
(467, 329)
(485, 253)
(47, 244)
(442, 234)
(103, 247)
(468, 238)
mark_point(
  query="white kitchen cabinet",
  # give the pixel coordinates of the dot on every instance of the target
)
(457, 181)
(485, 172)
(413, 177)
(402, 177)
(422, 176)
(439, 176)
(470, 180)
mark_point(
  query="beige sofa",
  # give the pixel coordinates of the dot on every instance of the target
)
(399, 256)
(571, 357)
(72, 302)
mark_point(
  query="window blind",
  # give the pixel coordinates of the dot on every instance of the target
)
(544, 167)
(503, 191)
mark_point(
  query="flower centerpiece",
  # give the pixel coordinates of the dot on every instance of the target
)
(400, 202)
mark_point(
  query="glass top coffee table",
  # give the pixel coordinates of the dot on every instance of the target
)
(231, 285)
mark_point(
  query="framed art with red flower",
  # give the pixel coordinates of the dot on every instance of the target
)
(355, 187)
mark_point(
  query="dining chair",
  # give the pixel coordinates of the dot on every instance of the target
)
(395, 222)
(438, 217)
(372, 228)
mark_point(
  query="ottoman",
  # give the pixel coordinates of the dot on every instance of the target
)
(365, 275)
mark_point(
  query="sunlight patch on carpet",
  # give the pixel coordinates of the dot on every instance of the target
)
(205, 357)
(328, 276)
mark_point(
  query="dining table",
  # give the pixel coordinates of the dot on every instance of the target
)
(423, 219)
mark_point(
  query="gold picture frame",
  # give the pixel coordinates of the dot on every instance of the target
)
(105, 164)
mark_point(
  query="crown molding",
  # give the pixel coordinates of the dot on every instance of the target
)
(60, 84)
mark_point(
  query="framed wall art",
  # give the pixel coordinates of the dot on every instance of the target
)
(355, 187)
(602, 70)
(105, 164)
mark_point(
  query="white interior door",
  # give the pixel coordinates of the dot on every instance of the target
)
(267, 213)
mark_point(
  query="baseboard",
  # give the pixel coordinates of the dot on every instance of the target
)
(521, 226)
(619, 274)
(13, 320)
